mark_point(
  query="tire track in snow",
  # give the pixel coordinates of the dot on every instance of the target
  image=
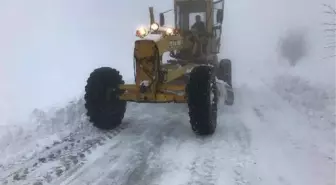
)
(208, 160)
(135, 159)
(203, 169)
(66, 155)
(137, 155)
(72, 161)
(238, 139)
(148, 167)
(228, 151)
(63, 156)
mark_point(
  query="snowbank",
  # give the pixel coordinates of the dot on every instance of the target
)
(22, 141)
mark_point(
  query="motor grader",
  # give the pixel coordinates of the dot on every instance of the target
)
(192, 74)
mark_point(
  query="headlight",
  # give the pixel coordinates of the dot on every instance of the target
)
(141, 32)
(169, 31)
(155, 26)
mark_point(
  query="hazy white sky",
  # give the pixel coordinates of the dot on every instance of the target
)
(48, 48)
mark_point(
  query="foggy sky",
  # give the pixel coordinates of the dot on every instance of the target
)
(48, 48)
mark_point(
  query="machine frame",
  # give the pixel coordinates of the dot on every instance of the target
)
(153, 79)
(193, 74)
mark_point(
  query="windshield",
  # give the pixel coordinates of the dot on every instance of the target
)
(186, 12)
(192, 18)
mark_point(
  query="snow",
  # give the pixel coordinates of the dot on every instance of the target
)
(298, 144)
(281, 129)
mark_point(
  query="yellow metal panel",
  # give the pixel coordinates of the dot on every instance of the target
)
(147, 64)
(144, 48)
(172, 75)
(158, 98)
(170, 87)
(166, 43)
(131, 88)
(132, 94)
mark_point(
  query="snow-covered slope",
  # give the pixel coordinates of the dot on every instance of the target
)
(281, 129)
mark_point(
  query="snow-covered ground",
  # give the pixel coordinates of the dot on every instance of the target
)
(262, 139)
(280, 131)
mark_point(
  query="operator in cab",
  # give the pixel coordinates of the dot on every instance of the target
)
(198, 25)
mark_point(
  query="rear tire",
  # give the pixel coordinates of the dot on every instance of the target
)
(225, 71)
(202, 100)
(225, 74)
(104, 108)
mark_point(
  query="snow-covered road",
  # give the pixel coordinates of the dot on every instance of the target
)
(263, 139)
(280, 131)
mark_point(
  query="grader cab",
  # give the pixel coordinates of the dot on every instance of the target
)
(193, 74)
(211, 17)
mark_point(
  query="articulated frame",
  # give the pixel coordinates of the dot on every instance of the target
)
(153, 79)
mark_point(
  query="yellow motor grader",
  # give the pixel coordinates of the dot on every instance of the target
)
(192, 74)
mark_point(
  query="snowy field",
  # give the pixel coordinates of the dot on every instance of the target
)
(280, 131)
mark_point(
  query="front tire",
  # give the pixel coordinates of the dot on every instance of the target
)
(202, 100)
(104, 108)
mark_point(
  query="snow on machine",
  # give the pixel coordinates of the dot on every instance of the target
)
(193, 74)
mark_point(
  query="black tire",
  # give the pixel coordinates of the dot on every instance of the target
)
(202, 106)
(225, 71)
(104, 108)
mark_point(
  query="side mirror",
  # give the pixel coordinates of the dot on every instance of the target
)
(162, 19)
(219, 16)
